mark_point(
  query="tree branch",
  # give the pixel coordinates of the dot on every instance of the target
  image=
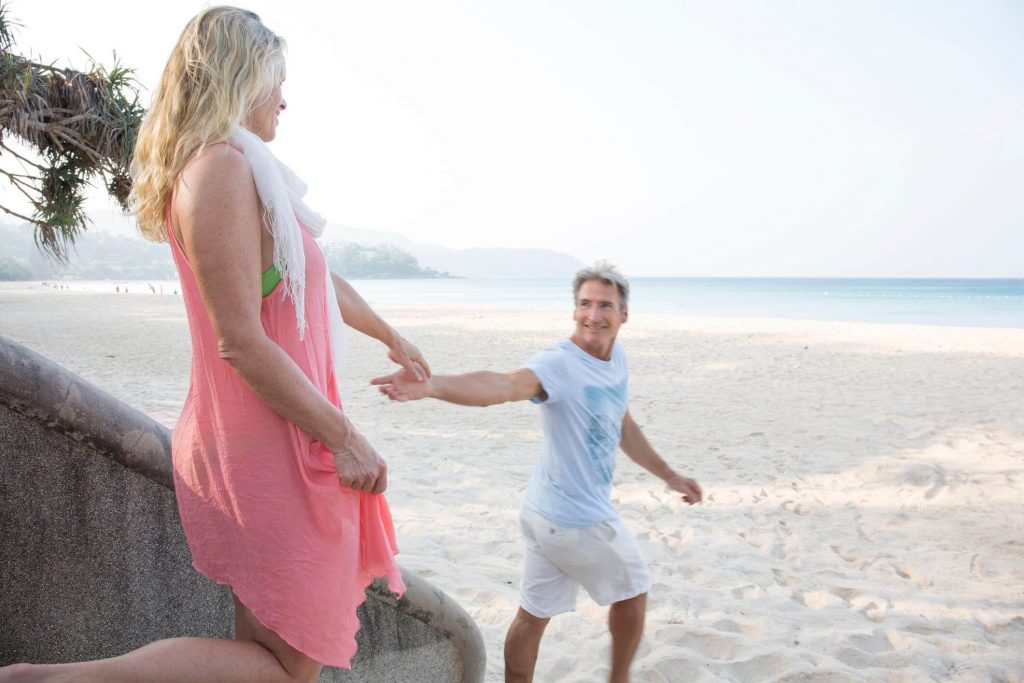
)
(33, 221)
(21, 158)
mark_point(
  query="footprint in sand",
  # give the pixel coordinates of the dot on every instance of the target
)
(750, 592)
(877, 642)
(759, 668)
(924, 474)
(874, 611)
(845, 554)
(718, 646)
(783, 579)
(909, 574)
(559, 669)
(750, 630)
(844, 593)
(677, 669)
(982, 571)
(795, 508)
(818, 599)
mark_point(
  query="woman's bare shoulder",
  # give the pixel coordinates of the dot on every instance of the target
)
(216, 172)
(217, 160)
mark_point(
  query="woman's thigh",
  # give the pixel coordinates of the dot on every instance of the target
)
(298, 666)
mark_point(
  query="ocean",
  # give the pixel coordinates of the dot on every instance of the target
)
(972, 303)
(960, 302)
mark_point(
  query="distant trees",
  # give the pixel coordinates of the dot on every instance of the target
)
(380, 262)
(97, 256)
(80, 126)
(100, 256)
(13, 269)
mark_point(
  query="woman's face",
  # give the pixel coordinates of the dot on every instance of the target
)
(262, 119)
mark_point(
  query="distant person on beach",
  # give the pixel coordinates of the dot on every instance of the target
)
(573, 535)
(279, 494)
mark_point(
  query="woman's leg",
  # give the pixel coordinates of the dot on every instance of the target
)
(256, 654)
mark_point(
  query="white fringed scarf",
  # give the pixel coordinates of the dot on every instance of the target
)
(281, 191)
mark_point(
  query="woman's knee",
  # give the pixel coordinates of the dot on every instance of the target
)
(299, 667)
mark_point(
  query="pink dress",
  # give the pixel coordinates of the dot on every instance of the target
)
(260, 499)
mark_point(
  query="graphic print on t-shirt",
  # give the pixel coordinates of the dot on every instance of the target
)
(605, 405)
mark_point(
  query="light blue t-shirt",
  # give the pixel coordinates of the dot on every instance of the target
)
(582, 419)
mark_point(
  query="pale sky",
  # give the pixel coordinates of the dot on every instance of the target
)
(784, 138)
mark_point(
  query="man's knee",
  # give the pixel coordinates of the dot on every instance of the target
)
(527, 622)
(635, 602)
(628, 610)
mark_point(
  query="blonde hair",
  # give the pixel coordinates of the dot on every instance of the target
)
(225, 63)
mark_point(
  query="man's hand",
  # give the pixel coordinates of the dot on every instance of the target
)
(688, 487)
(405, 353)
(403, 386)
(359, 466)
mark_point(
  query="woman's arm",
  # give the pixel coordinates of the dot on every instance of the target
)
(218, 212)
(358, 315)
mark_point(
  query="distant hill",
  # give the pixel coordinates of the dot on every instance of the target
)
(95, 256)
(100, 255)
(106, 251)
(478, 262)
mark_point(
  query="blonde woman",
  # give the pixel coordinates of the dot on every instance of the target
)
(279, 495)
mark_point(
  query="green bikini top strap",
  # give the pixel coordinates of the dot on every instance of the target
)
(270, 279)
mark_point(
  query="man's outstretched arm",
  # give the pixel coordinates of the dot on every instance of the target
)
(635, 445)
(481, 388)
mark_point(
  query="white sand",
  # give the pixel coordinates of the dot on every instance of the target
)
(864, 483)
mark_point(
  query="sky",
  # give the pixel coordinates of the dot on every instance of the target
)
(783, 138)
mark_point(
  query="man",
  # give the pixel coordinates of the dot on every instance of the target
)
(572, 534)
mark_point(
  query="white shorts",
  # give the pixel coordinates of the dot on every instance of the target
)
(603, 558)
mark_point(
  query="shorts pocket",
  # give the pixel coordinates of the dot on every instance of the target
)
(561, 544)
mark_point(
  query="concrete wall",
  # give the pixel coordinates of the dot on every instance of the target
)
(94, 560)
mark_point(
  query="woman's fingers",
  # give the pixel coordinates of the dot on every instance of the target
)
(424, 365)
(409, 357)
(399, 355)
(359, 466)
(381, 485)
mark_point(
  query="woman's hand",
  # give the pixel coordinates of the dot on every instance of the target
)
(359, 466)
(358, 315)
(406, 354)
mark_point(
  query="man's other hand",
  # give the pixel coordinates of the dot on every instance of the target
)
(690, 489)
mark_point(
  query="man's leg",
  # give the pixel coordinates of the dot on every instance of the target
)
(521, 646)
(626, 622)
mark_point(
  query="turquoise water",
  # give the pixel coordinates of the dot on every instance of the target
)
(974, 303)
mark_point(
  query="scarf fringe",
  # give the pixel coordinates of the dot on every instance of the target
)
(281, 191)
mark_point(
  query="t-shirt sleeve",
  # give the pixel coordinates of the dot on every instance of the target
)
(549, 367)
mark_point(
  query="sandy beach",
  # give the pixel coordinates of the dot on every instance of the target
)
(864, 483)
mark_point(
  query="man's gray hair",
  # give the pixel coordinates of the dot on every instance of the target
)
(606, 273)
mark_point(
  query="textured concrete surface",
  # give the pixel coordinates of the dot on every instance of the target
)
(95, 562)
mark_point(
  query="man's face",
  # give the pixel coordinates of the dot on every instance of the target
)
(598, 316)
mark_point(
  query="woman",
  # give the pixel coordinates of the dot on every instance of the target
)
(278, 492)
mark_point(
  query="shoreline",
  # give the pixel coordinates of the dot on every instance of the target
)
(863, 480)
(892, 308)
